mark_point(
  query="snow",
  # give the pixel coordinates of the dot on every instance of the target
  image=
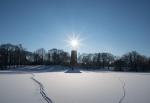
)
(41, 84)
(18, 88)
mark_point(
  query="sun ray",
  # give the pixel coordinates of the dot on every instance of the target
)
(74, 41)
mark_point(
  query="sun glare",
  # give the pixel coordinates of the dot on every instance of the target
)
(74, 41)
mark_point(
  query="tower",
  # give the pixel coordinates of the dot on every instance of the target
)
(73, 61)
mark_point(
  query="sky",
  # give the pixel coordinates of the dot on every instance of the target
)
(115, 26)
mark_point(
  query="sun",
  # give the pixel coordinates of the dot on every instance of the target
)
(74, 41)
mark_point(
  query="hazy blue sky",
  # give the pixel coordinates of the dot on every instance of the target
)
(115, 26)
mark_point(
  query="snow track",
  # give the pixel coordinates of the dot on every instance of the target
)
(124, 91)
(42, 91)
(123, 88)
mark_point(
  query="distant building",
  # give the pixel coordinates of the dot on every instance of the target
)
(73, 61)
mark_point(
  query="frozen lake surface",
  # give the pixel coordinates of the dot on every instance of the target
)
(44, 84)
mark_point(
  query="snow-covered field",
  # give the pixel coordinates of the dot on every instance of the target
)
(45, 84)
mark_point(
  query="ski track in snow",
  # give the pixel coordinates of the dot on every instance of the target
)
(42, 91)
(123, 88)
(48, 100)
(124, 91)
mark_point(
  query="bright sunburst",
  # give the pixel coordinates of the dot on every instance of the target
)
(74, 41)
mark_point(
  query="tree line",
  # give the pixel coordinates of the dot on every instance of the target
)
(131, 61)
(12, 56)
